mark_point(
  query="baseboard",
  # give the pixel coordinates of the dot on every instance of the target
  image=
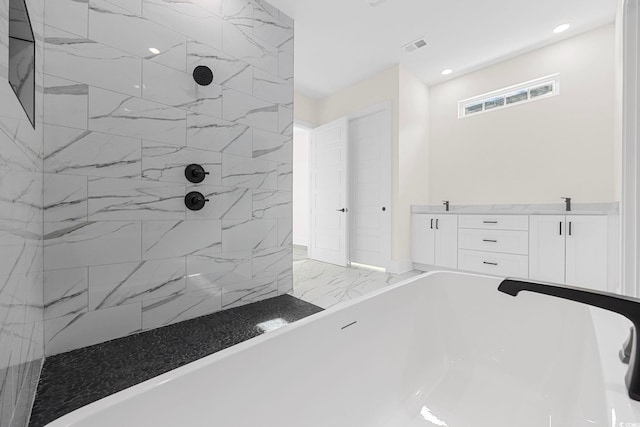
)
(399, 267)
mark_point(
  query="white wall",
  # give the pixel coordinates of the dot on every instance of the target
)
(536, 152)
(305, 110)
(300, 186)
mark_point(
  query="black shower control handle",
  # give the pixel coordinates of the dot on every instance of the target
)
(195, 173)
(195, 200)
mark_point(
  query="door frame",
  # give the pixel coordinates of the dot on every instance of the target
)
(386, 108)
(630, 206)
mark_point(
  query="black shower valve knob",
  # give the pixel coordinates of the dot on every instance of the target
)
(195, 200)
(195, 173)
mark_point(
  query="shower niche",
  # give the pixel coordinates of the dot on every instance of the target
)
(22, 57)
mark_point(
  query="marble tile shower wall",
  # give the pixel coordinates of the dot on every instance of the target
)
(123, 118)
(21, 312)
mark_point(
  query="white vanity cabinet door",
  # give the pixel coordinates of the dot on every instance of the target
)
(547, 248)
(446, 248)
(587, 254)
(423, 239)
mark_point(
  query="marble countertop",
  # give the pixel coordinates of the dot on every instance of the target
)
(611, 208)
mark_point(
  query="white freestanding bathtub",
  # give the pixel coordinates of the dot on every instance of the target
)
(442, 349)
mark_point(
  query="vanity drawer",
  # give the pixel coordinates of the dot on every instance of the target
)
(497, 222)
(506, 241)
(505, 265)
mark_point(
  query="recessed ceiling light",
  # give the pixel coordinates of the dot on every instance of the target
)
(447, 72)
(561, 28)
(154, 50)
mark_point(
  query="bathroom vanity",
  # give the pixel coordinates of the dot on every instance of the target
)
(540, 242)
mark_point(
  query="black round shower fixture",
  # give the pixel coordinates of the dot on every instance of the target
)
(203, 75)
(195, 173)
(195, 200)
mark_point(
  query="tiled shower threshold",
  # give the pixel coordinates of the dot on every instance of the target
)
(74, 379)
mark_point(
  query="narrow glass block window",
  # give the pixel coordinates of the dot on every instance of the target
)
(492, 103)
(473, 108)
(518, 94)
(521, 95)
(541, 90)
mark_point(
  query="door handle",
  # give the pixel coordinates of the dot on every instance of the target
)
(569, 228)
(432, 223)
(342, 210)
(437, 222)
(561, 228)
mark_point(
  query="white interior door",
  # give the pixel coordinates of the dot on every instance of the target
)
(329, 193)
(369, 153)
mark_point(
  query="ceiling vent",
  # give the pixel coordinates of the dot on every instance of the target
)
(415, 45)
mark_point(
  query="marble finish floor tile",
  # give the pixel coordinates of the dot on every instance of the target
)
(74, 379)
(326, 285)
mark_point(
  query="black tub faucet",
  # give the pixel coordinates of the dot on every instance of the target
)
(626, 306)
(567, 203)
(446, 205)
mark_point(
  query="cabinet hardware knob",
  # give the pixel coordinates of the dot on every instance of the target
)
(489, 222)
(489, 263)
(342, 210)
(432, 223)
(489, 241)
(384, 208)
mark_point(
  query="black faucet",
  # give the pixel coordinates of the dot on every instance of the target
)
(567, 203)
(626, 306)
(446, 205)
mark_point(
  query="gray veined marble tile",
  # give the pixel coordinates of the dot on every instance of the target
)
(186, 18)
(237, 294)
(80, 152)
(65, 292)
(210, 133)
(228, 71)
(72, 245)
(285, 232)
(177, 308)
(272, 146)
(285, 284)
(167, 163)
(272, 262)
(245, 172)
(133, 6)
(72, 57)
(287, 47)
(123, 115)
(249, 235)
(166, 239)
(239, 12)
(224, 203)
(68, 15)
(136, 35)
(272, 204)
(178, 89)
(117, 200)
(285, 65)
(93, 327)
(285, 177)
(270, 27)
(272, 89)
(121, 284)
(241, 108)
(65, 197)
(65, 102)
(27, 143)
(20, 194)
(20, 246)
(13, 157)
(285, 121)
(239, 42)
(205, 272)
